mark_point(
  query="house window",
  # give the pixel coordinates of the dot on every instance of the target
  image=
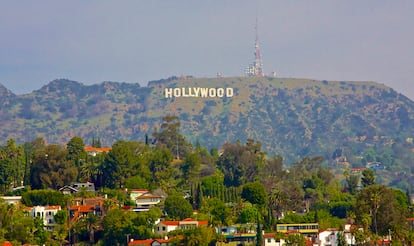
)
(163, 228)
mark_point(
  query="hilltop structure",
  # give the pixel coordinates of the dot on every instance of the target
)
(256, 69)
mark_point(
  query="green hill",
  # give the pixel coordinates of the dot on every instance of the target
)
(290, 117)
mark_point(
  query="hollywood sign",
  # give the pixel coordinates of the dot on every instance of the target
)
(198, 92)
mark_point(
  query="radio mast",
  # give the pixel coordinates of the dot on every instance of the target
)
(256, 69)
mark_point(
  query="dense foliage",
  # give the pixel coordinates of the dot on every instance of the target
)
(238, 184)
(363, 123)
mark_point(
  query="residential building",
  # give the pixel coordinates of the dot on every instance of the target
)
(144, 199)
(11, 199)
(328, 237)
(164, 227)
(81, 207)
(307, 229)
(77, 187)
(136, 193)
(349, 237)
(46, 213)
(94, 151)
(270, 239)
(149, 242)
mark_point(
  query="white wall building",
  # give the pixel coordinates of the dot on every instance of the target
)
(270, 240)
(328, 237)
(47, 214)
(11, 199)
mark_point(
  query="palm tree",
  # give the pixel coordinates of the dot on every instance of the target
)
(89, 171)
(90, 224)
(93, 222)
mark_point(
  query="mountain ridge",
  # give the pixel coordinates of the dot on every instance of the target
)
(290, 117)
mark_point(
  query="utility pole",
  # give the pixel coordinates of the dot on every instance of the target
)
(127, 238)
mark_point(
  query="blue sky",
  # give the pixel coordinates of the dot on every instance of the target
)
(137, 41)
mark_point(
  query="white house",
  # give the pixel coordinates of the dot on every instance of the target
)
(328, 237)
(166, 226)
(350, 239)
(11, 199)
(269, 239)
(136, 193)
(144, 199)
(147, 200)
(47, 214)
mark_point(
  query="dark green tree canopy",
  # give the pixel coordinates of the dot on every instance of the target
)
(51, 168)
(177, 207)
(241, 163)
(368, 177)
(380, 204)
(254, 193)
(76, 150)
(170, 136)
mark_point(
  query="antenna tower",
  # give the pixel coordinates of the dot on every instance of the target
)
(256, 69)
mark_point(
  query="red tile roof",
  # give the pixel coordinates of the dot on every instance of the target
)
(269, 235)
(176, 223)
(170, 223)
(83, 208)
(91, 149)
(203, 222)
(141, 242)
(146, 242)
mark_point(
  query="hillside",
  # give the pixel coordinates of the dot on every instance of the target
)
(290, 117)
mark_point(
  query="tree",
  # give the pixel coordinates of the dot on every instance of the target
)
(385, 211)
(40, 233)
(170, 137)
(51, 169)
(219, 213)
(76, 150)
(60, 231)
(295, 239)
(89, 224)
(116, 224)
(274, 169)
(248, 214)
(241, 163)
(199, 236)
(11, 165)
(254, 193)
(43, 198)
(191, 168)
(96, 142)
(368, 177)
(278, 201)
(124, 160)
(160, 167)
(177, 207)
(341, 240)
(352, 182)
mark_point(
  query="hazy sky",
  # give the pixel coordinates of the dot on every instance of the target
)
(137, 41)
